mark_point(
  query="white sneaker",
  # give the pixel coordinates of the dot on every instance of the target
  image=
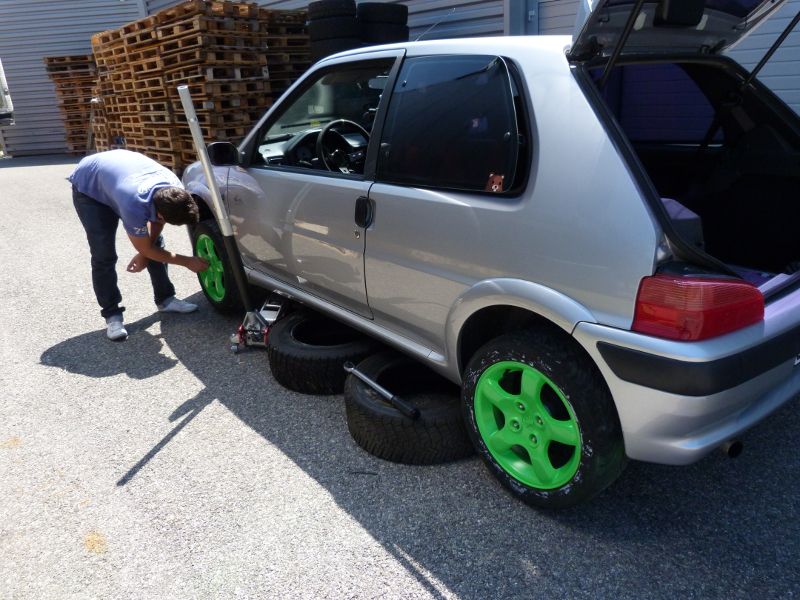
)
(177, 306)
(115, 330)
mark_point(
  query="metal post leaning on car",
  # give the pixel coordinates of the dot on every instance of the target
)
(253, 330)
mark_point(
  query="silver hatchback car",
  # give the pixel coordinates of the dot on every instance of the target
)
(596, 237)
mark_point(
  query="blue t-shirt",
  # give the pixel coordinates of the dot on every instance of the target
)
(124, 181)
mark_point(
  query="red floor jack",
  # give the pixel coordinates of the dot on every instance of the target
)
(255, 331)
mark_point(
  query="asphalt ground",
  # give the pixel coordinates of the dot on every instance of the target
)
(166, 467)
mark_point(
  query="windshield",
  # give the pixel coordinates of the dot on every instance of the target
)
(347, 94)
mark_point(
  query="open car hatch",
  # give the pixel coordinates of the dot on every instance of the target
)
(666, 26)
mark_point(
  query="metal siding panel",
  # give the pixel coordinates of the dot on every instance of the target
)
(39, 127)
(557, 16)
(153, 6)
(782, 73)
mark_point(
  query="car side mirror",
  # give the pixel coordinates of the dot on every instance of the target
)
(223, 154)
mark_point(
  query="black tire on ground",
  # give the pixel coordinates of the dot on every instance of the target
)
(380, 12)
(383, 33)
(307, 352)
(323, 9)
(230, 301)
(334, 28)
(601, 451)
(437, 436)
(323, 48)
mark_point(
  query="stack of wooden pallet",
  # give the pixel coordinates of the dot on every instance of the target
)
(235, 57)
(74, 78)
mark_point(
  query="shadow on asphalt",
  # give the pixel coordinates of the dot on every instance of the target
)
(719, 528)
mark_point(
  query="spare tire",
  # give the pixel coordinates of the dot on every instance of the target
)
(322, 9)
(438, 435)
(307, 352)
(334, 28)
(380, 12)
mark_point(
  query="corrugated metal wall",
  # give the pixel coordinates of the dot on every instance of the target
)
(782, 72)
(33, 29)
(557, 16)
(156, 5)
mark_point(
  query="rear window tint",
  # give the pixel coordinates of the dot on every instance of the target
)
(451, 124)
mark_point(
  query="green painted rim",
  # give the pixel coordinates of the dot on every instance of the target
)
(213, 278)
(519, 429)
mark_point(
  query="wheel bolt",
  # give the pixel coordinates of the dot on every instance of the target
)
(521, 406)
(539, 421)
(534, 440)
(515, 425)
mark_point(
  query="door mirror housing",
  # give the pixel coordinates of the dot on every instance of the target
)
(223, 154)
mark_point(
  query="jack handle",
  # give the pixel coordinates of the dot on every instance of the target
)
(404, 407)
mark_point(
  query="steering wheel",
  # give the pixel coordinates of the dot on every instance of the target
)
(340, 156)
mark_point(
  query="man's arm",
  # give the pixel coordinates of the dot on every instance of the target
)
(147, 249)
(139, 262)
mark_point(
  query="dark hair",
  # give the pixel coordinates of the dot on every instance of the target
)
(176, 206)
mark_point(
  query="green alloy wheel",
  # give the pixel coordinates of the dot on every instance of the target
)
(213, 279)
(217, 281)
(532, 430)
(542, 418)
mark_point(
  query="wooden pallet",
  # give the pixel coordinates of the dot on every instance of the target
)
(212, 58)
(221, 74)
(201, 89)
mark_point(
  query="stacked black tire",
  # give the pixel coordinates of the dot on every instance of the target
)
(383, 23)
(338, 25)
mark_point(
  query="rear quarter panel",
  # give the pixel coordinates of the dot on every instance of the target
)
(579, 228)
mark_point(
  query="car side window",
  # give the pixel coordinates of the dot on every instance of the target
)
(327, 124)
(452, 124)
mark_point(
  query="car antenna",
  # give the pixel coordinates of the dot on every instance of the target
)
(424, 33)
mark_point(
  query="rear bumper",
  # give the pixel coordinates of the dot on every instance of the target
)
(678, 401)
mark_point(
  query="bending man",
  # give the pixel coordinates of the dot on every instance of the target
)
(121, 185)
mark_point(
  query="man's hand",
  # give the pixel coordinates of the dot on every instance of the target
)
(138, 263)
(196, 264)
(146, 250)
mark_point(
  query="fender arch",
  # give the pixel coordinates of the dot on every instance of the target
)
(516, 298)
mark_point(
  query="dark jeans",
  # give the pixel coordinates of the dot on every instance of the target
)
(100, 223)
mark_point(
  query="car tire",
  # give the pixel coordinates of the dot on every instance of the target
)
(380, 12)
(437, 436)
(383, 33)
(334, 28)
(542, 419)
(322, 48)
(217, 282)
(307, 352)
(323, 9)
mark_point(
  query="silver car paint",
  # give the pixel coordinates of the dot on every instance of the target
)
(300, 229)
(572, 248)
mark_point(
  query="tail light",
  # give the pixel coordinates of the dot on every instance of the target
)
(688, 308)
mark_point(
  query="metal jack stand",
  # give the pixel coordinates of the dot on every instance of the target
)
(255, 327)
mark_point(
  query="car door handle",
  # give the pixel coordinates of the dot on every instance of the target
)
(364, 212)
